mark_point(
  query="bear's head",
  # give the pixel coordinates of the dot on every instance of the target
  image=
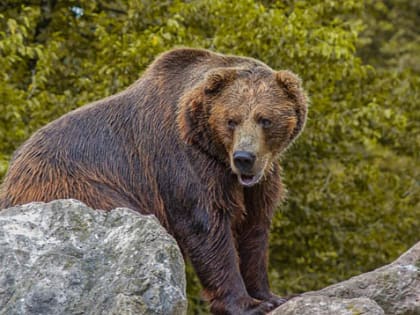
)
(244, 117)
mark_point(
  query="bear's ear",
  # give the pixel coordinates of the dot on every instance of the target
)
(194, 106)
(290, 82)
(217, 79)
(292, 86)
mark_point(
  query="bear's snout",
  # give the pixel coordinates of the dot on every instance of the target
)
(244, 161)
(245, 165)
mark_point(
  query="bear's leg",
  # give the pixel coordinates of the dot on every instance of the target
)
(212, 251)
(252, 237)
(253, 255)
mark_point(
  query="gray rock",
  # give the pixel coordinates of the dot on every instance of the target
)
(324, 305)
(395, 287)
(65, 258)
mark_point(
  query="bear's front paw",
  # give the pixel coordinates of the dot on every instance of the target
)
(271, 298)
(276, 300)
(242, 306)
(262, 308)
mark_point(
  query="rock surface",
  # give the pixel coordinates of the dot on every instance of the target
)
(324, 305)
(391, 290)
(395, 287)
(65, 258)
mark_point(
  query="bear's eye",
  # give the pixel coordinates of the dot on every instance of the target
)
(231, 124)
(265, 123)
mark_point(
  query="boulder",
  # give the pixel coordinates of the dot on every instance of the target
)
(324, 305)
(63, 257)
(393, 289)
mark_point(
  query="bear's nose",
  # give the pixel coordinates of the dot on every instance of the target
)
(244, 161)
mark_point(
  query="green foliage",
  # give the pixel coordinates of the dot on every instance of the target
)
(353, 176)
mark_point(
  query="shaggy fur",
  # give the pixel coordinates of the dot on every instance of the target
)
(166, 146)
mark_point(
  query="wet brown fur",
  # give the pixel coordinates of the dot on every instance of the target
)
(164, 146)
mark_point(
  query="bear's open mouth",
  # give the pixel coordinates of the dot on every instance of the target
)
(249, 180)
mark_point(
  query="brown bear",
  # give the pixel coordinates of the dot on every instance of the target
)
(195, 141)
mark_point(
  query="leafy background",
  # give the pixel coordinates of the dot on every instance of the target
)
(353, 176)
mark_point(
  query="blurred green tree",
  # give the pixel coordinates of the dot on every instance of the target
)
(353, 176)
